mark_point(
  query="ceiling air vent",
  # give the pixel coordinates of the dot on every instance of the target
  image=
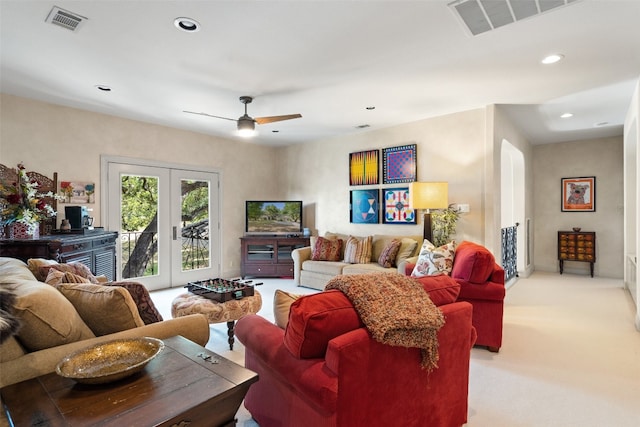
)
(65, 19)
(481, 16)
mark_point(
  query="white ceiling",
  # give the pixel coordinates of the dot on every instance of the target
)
(327, 60)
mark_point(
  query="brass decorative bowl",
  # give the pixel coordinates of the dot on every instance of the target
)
(576, 229)
(109, 361)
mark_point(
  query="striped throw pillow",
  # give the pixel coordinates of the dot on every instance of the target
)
(358, 251)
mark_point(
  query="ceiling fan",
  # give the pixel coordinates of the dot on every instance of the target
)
(246, 123)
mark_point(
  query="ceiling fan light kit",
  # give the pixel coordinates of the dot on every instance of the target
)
(247, 124)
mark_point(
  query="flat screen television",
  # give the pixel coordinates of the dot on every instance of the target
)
(273, 217)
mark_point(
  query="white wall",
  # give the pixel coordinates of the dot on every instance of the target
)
(602, 158)
(504, 132)
(449, 148)
(50, 138)
(632, 199)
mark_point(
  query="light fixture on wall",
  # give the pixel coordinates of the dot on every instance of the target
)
(428, 195)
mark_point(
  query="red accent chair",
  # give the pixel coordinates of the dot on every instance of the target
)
(481, 284)
(325, 370)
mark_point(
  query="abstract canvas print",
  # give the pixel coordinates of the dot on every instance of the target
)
(399, 164)
(396, 206)
(364, 167)
(364, 206)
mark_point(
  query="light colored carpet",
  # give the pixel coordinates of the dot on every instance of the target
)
(570, 354)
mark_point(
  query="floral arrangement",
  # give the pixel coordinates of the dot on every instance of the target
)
(21, 202)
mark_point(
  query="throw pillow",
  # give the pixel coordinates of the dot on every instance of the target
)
(146, 308)
(474, 263)
(407, 248)
(358, 250)
(105, 309)
(316, 319)
(327, 250)
(281, 304)
(9, 323)
(434, 261)
(388, 255)
(34, 265)
(48, 318)
(56, 277)
(76, 268)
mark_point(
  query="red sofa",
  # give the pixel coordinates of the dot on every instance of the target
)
(481, 284)
(325, 370)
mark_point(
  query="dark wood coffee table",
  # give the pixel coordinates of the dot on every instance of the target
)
(180, 387)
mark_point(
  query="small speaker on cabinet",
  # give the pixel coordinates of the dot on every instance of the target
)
(74, 214)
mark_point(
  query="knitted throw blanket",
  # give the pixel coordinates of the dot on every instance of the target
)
(396, 310)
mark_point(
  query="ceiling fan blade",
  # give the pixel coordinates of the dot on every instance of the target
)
(209, 115)
(271, 119)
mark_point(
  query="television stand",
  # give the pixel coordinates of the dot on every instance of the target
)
(269, 256)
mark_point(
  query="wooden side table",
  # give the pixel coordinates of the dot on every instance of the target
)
(577, 246)
(185, 385)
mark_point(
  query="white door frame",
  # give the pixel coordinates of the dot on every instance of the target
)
(105, 160)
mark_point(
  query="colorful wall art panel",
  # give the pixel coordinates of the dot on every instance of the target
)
(364, 206)
(77, 192)
(364, 167)
(396, 206)
(399, 164)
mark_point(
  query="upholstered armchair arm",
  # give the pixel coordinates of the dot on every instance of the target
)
(497, 276)
(299, 256)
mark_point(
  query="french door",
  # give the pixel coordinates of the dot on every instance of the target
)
(167, 219)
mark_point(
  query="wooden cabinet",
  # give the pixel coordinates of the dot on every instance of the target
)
(577, 246)
(96, 249)
(269, 256)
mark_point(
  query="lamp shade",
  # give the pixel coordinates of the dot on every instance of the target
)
(429, 195)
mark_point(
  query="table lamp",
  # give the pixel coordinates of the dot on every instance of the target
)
(428, 195)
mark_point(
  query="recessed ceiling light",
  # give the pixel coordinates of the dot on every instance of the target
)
(566, 115)
(187, 24)
(552, 59)
(103, 88)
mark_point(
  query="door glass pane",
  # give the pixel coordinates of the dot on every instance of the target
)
(195, 224)
(139, 226)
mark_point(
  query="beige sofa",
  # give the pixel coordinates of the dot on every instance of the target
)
(52, 327)
(316, 274)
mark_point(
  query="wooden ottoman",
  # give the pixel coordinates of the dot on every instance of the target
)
(217, 312)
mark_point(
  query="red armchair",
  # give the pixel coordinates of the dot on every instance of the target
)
(326, 370)
(482, 285)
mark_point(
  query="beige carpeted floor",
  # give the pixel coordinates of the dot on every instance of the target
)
(570, 354)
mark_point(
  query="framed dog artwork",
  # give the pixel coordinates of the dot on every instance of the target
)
(579, 194)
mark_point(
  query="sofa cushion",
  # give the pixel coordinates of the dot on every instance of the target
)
(327, 250)
(474, 263)
(434, 261)
(105, 309)
(48, 318)
(140, 295)
(372, 267)
(316, 319)
(441, 289)
(389, 253)
(12, 269)
(324, 267)
(358, 250)
(281, 304)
